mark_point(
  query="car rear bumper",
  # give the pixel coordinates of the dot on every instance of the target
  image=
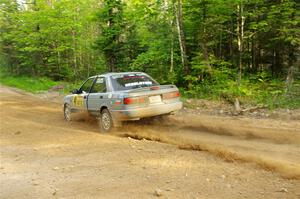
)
(149, 111)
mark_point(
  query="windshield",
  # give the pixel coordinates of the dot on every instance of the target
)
(131, 81)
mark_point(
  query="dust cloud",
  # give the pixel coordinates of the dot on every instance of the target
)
(272, 149)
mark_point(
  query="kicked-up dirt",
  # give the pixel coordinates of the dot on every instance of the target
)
(184, 156)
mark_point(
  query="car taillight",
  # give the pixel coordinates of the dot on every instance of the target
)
(134, 100)
(171, 95)
(154, 88)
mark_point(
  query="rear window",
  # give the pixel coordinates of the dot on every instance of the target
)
(131, 81)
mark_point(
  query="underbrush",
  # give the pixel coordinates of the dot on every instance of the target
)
(30, 84)
(253, 91)
(35, 84)
(257, 90)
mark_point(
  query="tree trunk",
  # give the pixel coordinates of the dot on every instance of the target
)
(290, 74)
(172, 44)
(205, 55)
(220, 46)
(58, 56)
(181, 38)
(254, 55)
(50, 3)
(112, 63)
(111, 53)
(292, 58)
(75, 69)
(204, 39)
(172, 55)
(231, 40)
(240, 39)
(74, 52)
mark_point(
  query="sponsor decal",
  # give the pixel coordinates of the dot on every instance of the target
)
(138, 83)
(100, 81)
(78, 100)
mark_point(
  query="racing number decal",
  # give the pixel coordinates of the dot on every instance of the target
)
(78, 100)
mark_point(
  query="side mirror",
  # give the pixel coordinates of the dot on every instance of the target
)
(75, 91)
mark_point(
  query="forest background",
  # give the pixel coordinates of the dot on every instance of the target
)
(212, 49)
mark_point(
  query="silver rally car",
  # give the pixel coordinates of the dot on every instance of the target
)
(117, 97)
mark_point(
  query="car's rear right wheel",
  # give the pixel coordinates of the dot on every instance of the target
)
(105, 121)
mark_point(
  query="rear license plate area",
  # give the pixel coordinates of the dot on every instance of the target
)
(155, 99)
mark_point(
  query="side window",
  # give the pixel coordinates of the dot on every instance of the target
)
(85, 88)
(99, 86)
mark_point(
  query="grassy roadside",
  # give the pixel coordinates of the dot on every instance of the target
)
(35, 84)
(266, 94)
(271, 95)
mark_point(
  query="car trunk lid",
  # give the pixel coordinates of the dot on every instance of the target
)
(151, 95)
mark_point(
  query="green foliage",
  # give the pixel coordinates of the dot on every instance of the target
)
(51, 39)
(110, 18)
(67, 40)
(259, 89)
(36, 84)
(30, 84)
(157, 39)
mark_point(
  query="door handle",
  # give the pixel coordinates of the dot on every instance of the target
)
(101, 97)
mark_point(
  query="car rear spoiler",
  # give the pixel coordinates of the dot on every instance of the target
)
(157, 87)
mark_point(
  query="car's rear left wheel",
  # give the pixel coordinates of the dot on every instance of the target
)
(67, 112)
(105, 121)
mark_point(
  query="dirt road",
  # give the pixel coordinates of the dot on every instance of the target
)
(192, 156)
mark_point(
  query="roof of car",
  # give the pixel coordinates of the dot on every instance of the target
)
(115, 73)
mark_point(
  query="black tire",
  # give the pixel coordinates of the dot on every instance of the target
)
(67, 113)
(105, 121)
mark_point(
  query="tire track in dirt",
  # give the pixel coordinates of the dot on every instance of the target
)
(276, 152)
(43, 156)
(286, 133)
(273, 145)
